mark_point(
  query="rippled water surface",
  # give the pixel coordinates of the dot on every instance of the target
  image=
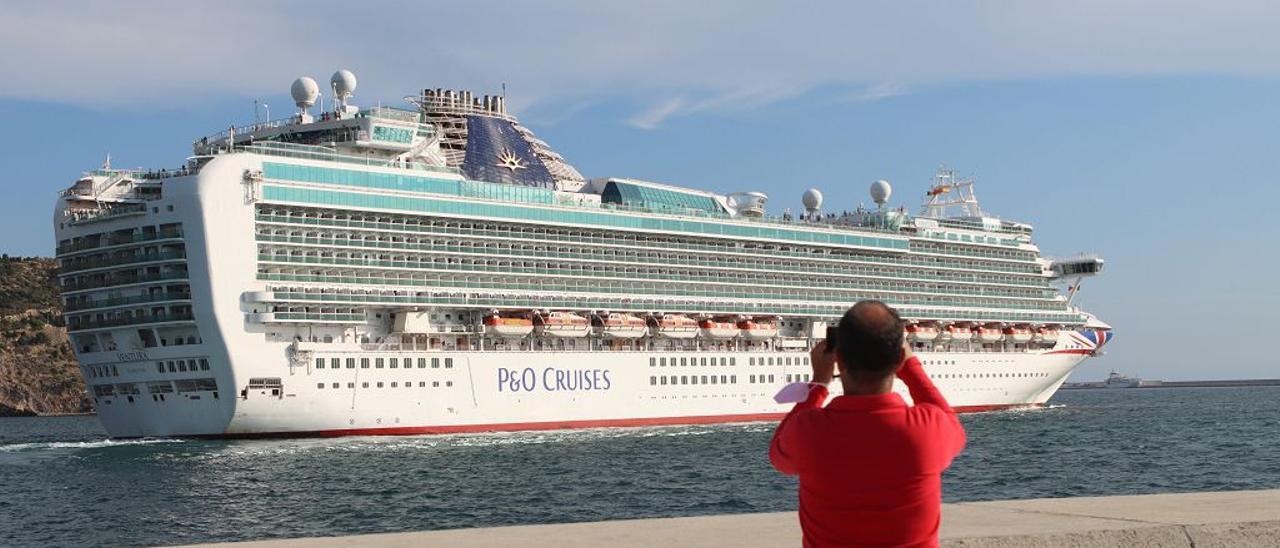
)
(65, 484)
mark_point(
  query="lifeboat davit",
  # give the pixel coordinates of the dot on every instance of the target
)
(990, 333)
(562, 324)
(1047, 334)
(758, 329)
(713, 329)
(1018, 333)
(504, 326)
(959, 332)
(623, 326)
(675, 326)
(923, 332)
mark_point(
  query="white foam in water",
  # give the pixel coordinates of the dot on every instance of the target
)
(16, 447)
(486, 439)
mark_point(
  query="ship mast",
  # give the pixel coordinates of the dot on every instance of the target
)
(950, 196)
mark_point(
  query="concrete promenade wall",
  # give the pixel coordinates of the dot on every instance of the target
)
(1196, 520)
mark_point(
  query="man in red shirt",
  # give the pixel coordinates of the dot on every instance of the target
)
(870, 466)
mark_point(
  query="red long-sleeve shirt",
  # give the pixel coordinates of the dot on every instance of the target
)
(870, 466)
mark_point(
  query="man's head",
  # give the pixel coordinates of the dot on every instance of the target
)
(869, 342)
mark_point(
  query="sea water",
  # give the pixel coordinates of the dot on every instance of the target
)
(63, 483)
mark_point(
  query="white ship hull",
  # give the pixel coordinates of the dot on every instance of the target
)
(494, 391)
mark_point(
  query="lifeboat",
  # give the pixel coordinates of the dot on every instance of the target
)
(922, 332)
(1018, 333)
(1047, 334)
(675, 326)
(503, 326)
(990, 333)
(713, 329)
(758, 329)
(622, 326)
(959, 332)
(562, 324)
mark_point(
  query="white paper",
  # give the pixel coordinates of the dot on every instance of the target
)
(794, 392)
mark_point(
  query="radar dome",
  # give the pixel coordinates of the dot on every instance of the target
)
(812, 199)
(880, 192)
(305, 92)
(344, 83)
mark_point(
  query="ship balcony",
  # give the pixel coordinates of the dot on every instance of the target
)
(110, 243)
(82, 305)
(260, 317)
(75, 325)
(95, 215)
(306, 317)
(121, 281)
(82, 265)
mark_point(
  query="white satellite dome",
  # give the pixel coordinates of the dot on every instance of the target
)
(305, 92)
(812, 199)
(880, 192)
(344, 83)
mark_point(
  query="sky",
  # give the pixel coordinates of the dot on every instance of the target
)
(1141, 131)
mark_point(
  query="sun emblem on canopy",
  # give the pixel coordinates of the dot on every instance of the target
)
(509, 160)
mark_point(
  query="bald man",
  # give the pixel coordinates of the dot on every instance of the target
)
(870, 465)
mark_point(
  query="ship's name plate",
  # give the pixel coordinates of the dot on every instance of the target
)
(132, 356)
(552, 379)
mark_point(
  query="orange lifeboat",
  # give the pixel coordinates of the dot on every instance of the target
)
(959, 332)
(562, 324)
(675, 326)
(922, 332)
(990, 333)
(506, 326)
(758, 328)
(1018, 333)
(623, 326)
(713, 329)
(1047, 334)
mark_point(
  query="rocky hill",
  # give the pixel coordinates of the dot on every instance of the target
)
(38, 372)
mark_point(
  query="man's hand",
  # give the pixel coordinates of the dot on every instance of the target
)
(823, 362)
(907, 354)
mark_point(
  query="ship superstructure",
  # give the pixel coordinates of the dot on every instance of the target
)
(441, 269)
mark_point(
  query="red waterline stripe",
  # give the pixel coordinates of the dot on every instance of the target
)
(1084, 351)
(553, 425)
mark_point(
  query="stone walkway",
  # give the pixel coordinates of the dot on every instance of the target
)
(1197, 520)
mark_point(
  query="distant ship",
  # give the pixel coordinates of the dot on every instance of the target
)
(441, 269)
(1116, 380)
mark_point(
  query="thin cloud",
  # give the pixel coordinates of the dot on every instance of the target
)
(878, 92)
(652, 118)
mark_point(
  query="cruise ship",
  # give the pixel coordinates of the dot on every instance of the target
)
(438, 269)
